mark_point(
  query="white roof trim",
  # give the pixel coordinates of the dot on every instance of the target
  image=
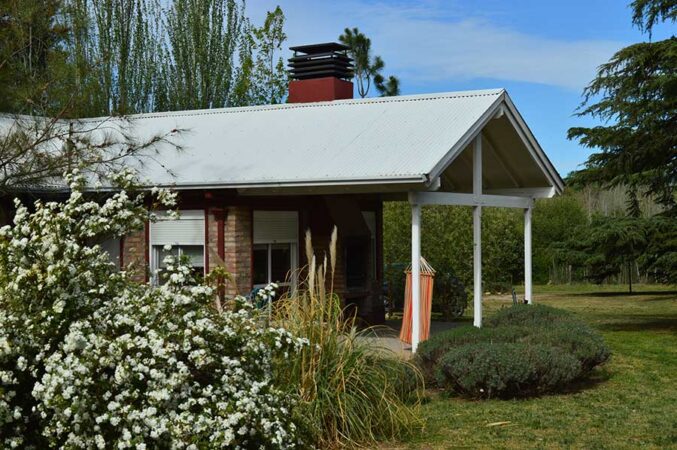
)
(500, 105)
(466, 139)
(532, 144)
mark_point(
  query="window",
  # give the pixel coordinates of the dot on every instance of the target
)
(360, 255)
(112, 247)
(275, 247)
(186, 237)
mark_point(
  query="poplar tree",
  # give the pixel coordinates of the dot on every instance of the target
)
(114, 51)
(203, 38)
(269, 74)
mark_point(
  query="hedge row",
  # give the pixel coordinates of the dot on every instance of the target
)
(523, 350)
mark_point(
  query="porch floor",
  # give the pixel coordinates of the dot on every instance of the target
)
(388, 335)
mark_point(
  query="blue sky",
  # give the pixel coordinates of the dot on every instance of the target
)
(542, 52)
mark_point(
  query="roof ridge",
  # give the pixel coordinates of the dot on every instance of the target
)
(287, 106)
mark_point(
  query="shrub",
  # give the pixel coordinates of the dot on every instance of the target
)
(528, 327)
(50, 278)
(352, 392)
(577, 339)
(487, 370)
(530, 315)
(429, 352)
(160, 368)
(90, 359)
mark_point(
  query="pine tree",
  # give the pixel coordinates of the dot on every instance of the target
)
(635, 95)
(31, 56)
(367, 67)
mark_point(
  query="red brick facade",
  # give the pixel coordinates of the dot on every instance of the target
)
(238, 248)
(231, 225)
(134, 251)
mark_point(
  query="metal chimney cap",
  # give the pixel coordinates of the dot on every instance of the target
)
(320, 48)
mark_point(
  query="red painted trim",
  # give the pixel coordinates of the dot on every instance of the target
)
(146, 232)
(122, 252)
(206, 269)
(220, 216)
(301, 239)
(251, 248)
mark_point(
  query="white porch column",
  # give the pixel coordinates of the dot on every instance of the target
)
(527, 255)
(415, 273)
(477, 232)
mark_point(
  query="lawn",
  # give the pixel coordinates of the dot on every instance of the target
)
(631, 402)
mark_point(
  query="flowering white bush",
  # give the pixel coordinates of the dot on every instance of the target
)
(51, 274)
(165, 369)
(89, 359)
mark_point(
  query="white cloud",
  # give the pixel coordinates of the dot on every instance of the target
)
(431, 40)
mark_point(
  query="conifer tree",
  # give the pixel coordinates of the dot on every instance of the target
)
(368, 67)
(635, 96)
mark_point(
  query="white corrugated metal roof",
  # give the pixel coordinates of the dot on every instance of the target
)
(397, 138)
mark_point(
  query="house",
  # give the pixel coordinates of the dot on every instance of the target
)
(252, 180)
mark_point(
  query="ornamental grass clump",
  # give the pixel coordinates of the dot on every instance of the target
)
(351, 392)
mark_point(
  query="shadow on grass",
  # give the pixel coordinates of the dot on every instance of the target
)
(656, 294)
(635, 323)
(597, 377)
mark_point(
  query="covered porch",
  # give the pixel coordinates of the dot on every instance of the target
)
(498, 165)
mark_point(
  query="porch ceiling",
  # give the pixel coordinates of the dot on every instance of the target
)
(507, 164)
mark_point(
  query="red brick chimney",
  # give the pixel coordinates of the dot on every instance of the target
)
(320, 72)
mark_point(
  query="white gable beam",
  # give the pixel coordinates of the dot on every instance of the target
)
(468, 137)
(453, 198)
(502, 162)
(544, 192)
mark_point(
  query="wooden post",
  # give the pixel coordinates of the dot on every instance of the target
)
(477, 232)
(415, 272)
(527, 256)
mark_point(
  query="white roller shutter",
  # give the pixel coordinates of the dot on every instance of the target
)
(271, 227)
(189, 229)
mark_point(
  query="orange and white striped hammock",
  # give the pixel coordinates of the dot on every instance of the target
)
(427, 279)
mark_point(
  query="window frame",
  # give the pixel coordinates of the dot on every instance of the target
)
(155, 257)
(292, 242)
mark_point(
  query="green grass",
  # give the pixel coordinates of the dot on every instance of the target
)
(631, 402)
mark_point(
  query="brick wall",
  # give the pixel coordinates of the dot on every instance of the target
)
(237, 239)
(134, 255)
(213, 257)
(238, 248)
